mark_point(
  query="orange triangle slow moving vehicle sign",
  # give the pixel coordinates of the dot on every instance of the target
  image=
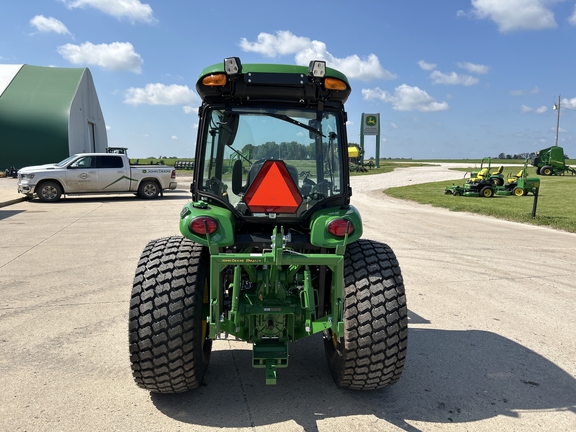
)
(273, 190)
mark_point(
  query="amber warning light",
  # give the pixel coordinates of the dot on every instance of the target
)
(273, 190)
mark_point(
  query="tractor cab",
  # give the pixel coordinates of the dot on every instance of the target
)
(273, 162)
(271, 151)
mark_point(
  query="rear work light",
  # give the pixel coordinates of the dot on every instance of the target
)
(337, 227)
(215, 80)
(202, 224)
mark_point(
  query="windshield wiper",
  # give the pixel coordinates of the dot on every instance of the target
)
(296, 122)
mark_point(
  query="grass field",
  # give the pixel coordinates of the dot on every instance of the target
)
(556, 206)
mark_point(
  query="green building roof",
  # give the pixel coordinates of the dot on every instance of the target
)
(34, 115)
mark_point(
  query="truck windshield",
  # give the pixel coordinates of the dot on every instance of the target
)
(240, 140)
(66, 161)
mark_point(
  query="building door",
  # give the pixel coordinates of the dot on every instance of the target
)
(91, 137)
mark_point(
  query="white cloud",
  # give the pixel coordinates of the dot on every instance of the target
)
(47, 25)
(174, 137)
(474, 68)
(133, 10)
(572, 18)
(526, 109)
(426, 66)
(568, 103)
(160, 94)
(452, 78)
(304, 50)
(511, 15)
(117, 56)
(406, 98)
(393, 125)
(541, 110)
(525, 92)
(190, 109)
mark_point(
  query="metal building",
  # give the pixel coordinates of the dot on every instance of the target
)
(48, 114)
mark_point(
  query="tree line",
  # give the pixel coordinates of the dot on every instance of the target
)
(520, 156)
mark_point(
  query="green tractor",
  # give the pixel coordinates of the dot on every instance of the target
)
(551, 161)
(271, 249)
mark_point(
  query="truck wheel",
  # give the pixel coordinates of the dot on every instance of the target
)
(487, 192)
(546, 170)
(149, 189)
(49, 191)
(372, 351)
(169, 346)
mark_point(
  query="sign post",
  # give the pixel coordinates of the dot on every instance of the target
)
(371, 126)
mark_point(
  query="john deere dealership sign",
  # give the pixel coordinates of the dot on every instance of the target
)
(371, 123)
(371, 126)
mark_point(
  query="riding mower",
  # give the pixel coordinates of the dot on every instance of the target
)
(271, 249)
(520, 184)
(484, 186)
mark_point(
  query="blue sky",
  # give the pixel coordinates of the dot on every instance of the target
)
(450, 79)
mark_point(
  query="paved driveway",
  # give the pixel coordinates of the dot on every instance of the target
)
(491, 342)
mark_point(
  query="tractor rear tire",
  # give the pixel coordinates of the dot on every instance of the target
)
(169, 346)
(487, 192)
(372, 351)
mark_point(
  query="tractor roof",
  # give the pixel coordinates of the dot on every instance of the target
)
(272, 82)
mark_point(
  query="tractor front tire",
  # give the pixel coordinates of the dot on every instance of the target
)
(518, 191)
(372, 351)
(169, 346)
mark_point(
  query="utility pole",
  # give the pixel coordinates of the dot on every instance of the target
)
(557, 108)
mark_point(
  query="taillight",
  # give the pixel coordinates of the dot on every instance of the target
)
(173, 175)
(201, 224)
(338, 227)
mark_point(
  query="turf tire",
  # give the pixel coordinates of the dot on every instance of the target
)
(372, 352)
(169, 349)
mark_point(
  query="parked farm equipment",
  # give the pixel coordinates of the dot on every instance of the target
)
(552, 161)
(482, 185)
(268, 255)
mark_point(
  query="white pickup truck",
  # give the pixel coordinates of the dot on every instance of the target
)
(86, 173)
